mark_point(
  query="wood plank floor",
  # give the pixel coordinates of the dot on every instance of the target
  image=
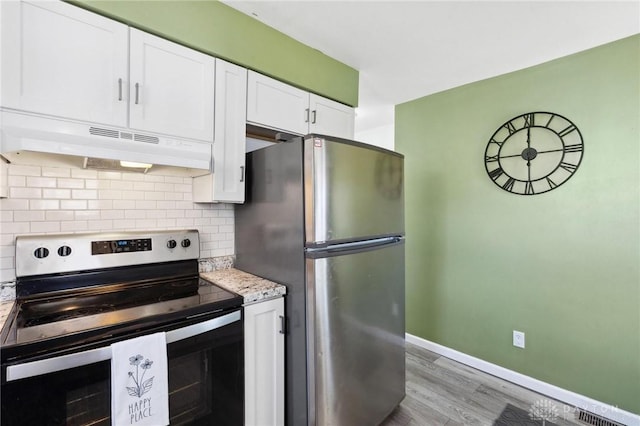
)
(442, 392)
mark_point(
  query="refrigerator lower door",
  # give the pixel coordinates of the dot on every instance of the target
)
(355, 334)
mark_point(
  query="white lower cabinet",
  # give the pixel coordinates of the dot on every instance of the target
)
(264, 363)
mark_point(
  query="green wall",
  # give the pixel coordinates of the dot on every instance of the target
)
(562, 266)
(217, 29)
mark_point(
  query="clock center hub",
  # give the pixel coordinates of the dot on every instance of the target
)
(529, 154)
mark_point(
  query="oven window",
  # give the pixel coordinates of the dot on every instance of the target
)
(206, 386)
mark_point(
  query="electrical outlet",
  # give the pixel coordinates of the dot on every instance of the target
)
(518, 339)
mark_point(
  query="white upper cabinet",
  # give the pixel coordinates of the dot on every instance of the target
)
(277, 105)
(328, 117)
(63, 61)
(172, 88)
(226, 183)
(272, 103)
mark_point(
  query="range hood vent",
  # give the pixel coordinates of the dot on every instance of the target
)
(35, 133)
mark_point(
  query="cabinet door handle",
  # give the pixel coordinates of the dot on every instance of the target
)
(241, 173)
(306, 111)
(120, 89)
(282, 325)
(137, 92)
(313, 114)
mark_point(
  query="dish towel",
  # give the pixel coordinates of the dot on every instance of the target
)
(139, 382)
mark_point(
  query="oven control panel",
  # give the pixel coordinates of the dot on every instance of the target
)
(120, 246)
(59, 253)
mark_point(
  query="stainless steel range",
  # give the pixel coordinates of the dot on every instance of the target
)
(79, 293)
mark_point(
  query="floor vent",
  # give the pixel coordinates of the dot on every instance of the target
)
(595, 420)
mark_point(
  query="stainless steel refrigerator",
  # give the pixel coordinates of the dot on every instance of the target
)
(325, 217)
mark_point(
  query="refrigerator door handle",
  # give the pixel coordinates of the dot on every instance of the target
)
(352, 247)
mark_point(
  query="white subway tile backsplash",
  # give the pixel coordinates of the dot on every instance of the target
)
(30, 215)
(57, 215)
(134, 214)
(84, 174)
(154, 196)
(74, 226)
(143, 186)
(56, 172)
(154, 178)
(44, 204)
(70, 183)
(100, 204)
(111, 214)
(84, 194)
(73, 204)
(109, 194)
(88, 215)
(109, 175)
(64, 194)
(15, 169)
(58, 199)
(44, 227)
(18, 228)
(41, 182)
(13, 181)
(17, 192)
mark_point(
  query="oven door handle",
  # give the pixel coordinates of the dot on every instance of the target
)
(78, 359)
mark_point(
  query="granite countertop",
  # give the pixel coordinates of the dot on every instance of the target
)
(251, 287)
(5, 308)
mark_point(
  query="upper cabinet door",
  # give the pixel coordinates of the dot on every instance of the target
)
(171, 88)
(230, 142)
(277, 105)
(330, 118)
(60, 60)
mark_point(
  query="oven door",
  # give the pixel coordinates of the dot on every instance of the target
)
(206, 380)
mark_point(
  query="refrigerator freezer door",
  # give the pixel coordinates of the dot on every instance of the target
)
(355, 335)
(353, 191)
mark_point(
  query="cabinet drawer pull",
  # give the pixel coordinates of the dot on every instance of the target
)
(119, 89)
(137, 92)
(313, 114)
(241, 173)
(282, 325)
(306, 113)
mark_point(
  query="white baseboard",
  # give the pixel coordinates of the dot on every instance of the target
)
(571, 398)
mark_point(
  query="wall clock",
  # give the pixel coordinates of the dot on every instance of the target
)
(533, 153)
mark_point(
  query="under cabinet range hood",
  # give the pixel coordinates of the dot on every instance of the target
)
(26, 132)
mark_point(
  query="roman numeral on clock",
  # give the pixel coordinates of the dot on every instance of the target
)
(528, 189)
(567, 130)
(529, 120)
(508, 185)
(568, 167)
(551, 183)
(491, 158)
(573, 148)
(510, 127)
(495, 173)
(496, 142)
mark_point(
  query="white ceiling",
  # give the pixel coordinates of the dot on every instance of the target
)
(408, 49)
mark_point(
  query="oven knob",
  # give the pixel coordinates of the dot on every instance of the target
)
(64, 251)
(41, 252)
(171, 244)
(185, 243)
